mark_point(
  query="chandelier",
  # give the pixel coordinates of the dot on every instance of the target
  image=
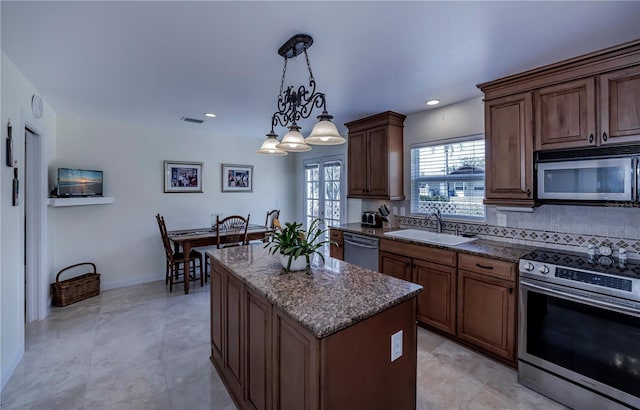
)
(295, 104)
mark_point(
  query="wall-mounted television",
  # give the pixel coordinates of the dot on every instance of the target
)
(79, 182)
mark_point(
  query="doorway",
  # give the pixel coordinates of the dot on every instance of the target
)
(324, 190)
(34, 187)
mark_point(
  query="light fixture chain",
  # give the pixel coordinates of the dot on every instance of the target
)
(284, 71)
(306, 56)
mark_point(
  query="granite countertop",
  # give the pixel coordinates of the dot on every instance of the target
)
(481, 247)
(333, 296)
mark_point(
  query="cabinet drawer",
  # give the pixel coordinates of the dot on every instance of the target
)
(335, 235)
(487, 266)
(424, 252)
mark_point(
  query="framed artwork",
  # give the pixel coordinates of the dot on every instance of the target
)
(182, 176)
(237, 178)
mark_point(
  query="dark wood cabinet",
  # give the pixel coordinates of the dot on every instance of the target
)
(395, 265)
(566, 115)
(435, 270)
(487, 305)
(337, 250)
(267, 360)
(509, 150)
(257, 392)
(437, 302)
(375, 157)
(589, 100)
(620, 106)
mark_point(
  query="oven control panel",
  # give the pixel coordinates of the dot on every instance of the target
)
(594, 279)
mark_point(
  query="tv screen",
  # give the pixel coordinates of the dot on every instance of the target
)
(79, 182)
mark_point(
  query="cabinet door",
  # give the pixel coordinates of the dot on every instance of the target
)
(357, 164)
(258, 352)
(437, 302)
(378, 162)
(295, 366)
(217, 314)
(233, 344)
(620, 106)
(486, 313)
(566, 115)
(395, 265)
(509, 150)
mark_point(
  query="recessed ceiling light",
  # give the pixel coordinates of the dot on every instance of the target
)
(210, 115)
(433, 102)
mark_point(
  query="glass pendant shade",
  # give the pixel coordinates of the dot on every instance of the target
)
(325, 133)
(269, 146)
(293, 141)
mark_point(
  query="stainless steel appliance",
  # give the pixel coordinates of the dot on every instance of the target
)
(371, 219)
(592, 174)
(579, 329)
(361, 250)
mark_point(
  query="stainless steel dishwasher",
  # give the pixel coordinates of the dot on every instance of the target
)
(361, 250)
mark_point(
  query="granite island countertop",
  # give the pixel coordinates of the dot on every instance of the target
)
(480, 247)
(332, 296)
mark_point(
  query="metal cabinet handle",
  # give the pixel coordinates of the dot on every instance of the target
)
(483, 266)
(510, 290)
(604, 136)
(590, 138)
(528, 192)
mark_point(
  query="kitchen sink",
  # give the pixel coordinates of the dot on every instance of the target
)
(429, 237)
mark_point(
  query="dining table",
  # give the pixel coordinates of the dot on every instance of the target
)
(187, 239)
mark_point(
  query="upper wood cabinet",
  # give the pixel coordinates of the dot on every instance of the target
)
(566, 114)
(509, 150)
(375, 155)
(620, 106)
(590, 100)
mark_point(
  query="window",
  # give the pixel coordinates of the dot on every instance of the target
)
(449, 177)
(324, 190)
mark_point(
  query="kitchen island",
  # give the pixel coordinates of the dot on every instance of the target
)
(317, 340)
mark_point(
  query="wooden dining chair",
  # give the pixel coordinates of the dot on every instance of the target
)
(272, 216)
(175, 260)
(232, 231)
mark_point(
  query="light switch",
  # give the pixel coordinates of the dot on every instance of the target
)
(502, 219)
(396, 345)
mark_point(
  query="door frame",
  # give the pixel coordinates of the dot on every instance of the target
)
(35, 216)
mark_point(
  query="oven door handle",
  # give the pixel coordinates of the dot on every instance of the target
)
(574, 297)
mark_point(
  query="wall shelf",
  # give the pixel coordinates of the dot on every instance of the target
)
(101, 200)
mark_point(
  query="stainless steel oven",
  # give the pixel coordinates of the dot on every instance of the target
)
(579, 329)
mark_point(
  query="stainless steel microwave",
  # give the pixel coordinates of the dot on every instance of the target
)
(587, 178)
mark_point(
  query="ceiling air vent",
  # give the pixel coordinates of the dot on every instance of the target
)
(187, 119)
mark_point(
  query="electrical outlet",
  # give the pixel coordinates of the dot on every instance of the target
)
(502, 219)
(396, 345)
(402, 211)
(395, 210)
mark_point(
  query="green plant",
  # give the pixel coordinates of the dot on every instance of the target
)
(294, 241)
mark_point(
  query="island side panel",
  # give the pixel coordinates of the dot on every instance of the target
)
(356, 367)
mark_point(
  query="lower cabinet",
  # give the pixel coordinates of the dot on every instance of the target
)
(435, 270)
(472, 298)
(437, 302)
(337, 250)
(487, 305)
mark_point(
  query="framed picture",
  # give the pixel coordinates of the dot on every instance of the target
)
(237, 178)
(182, 176)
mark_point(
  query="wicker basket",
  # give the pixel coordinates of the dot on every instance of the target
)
(75, 289)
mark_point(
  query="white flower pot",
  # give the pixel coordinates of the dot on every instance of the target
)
(299, 263)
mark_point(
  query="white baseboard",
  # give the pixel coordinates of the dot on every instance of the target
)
(7, 371)
(130, 282)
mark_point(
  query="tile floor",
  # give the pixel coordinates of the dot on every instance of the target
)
(142, 347)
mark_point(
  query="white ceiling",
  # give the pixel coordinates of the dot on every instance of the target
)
(154, 62)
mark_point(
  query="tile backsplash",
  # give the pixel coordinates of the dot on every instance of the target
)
(565, 227)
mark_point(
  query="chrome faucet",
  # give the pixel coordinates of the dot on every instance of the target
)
(436, 213)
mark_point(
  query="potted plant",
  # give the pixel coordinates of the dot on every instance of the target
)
(295, 246)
